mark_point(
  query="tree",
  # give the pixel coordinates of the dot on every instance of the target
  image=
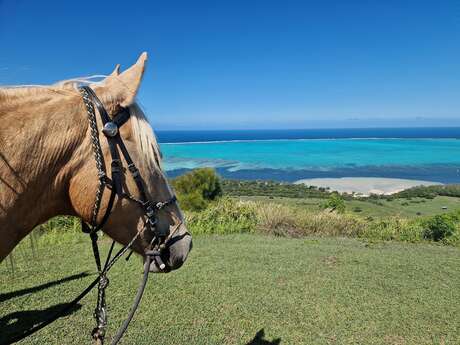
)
(197, 188)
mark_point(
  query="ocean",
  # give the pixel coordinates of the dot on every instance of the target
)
(431, 154)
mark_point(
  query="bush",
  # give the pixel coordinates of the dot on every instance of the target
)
(439, 227)
(225, 216)
(335, 203)
(197, 188)
(393, 228)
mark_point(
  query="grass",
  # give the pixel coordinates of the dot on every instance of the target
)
(375, 208)
(301, 291)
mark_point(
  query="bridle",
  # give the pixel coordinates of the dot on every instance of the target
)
(115, 184)
(159, 242)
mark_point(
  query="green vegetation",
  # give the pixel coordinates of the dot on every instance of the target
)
(225, 216)
(416, 207)
(197, 188)
(411, 219)
(335, 203)
(441, 227)
(228, 215)
(272, 189)
(289, 190)
(430, 192)
(414, 202)
(292, 210)
(330, 270)
(320, 291)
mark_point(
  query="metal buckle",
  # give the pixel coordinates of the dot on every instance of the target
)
(110, 129)
(134, 171)
(116, 166)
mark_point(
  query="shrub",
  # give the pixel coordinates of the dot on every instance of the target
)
(335, 203)
(439, 227)
(197, 188)
(393, 228)
(224, 216)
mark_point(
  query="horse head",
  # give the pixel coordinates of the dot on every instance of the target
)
(128, 218)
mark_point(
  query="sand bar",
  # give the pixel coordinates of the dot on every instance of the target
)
(366, 185)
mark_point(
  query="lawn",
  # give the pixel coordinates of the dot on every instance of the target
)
(376, 208)
(236, 287)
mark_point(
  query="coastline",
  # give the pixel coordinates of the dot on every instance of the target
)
(365, 186)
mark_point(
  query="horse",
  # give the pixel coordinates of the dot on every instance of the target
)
(47, 166)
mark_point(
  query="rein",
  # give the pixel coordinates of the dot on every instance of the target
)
(159, 240)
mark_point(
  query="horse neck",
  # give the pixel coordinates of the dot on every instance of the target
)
(41, 138)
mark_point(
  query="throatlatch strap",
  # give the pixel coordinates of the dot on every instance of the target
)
(107, 211)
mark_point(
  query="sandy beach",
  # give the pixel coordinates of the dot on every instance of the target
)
(366, 185)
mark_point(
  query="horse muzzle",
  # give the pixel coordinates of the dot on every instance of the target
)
(174, 254)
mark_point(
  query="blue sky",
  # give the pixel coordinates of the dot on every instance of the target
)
(251, 64)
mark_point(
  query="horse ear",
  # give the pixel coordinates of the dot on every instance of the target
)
(124, 87)
(116, 71)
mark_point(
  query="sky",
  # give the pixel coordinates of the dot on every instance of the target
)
(251, 64)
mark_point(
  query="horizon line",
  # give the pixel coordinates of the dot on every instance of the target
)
(301, 129)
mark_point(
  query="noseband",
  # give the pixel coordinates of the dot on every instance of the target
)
(114, 183)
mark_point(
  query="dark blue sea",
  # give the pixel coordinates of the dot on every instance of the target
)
(431, 154)
(337, 133)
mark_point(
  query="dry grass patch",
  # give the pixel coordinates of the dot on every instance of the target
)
(283, 220)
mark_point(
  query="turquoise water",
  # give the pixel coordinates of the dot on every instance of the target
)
(431, 159)
(312, 154)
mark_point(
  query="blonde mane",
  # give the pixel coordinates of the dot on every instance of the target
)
(145, 138)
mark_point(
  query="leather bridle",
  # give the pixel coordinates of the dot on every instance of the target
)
(115, 184)
(159, 242)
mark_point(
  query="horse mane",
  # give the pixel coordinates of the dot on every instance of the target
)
(142, 131)
(144, 136)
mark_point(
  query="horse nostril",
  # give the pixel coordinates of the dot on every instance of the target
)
(178, 251)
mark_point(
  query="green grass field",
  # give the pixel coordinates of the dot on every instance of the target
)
(377, 208)
(298, 291)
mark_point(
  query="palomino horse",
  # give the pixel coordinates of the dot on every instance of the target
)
(47, 166)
